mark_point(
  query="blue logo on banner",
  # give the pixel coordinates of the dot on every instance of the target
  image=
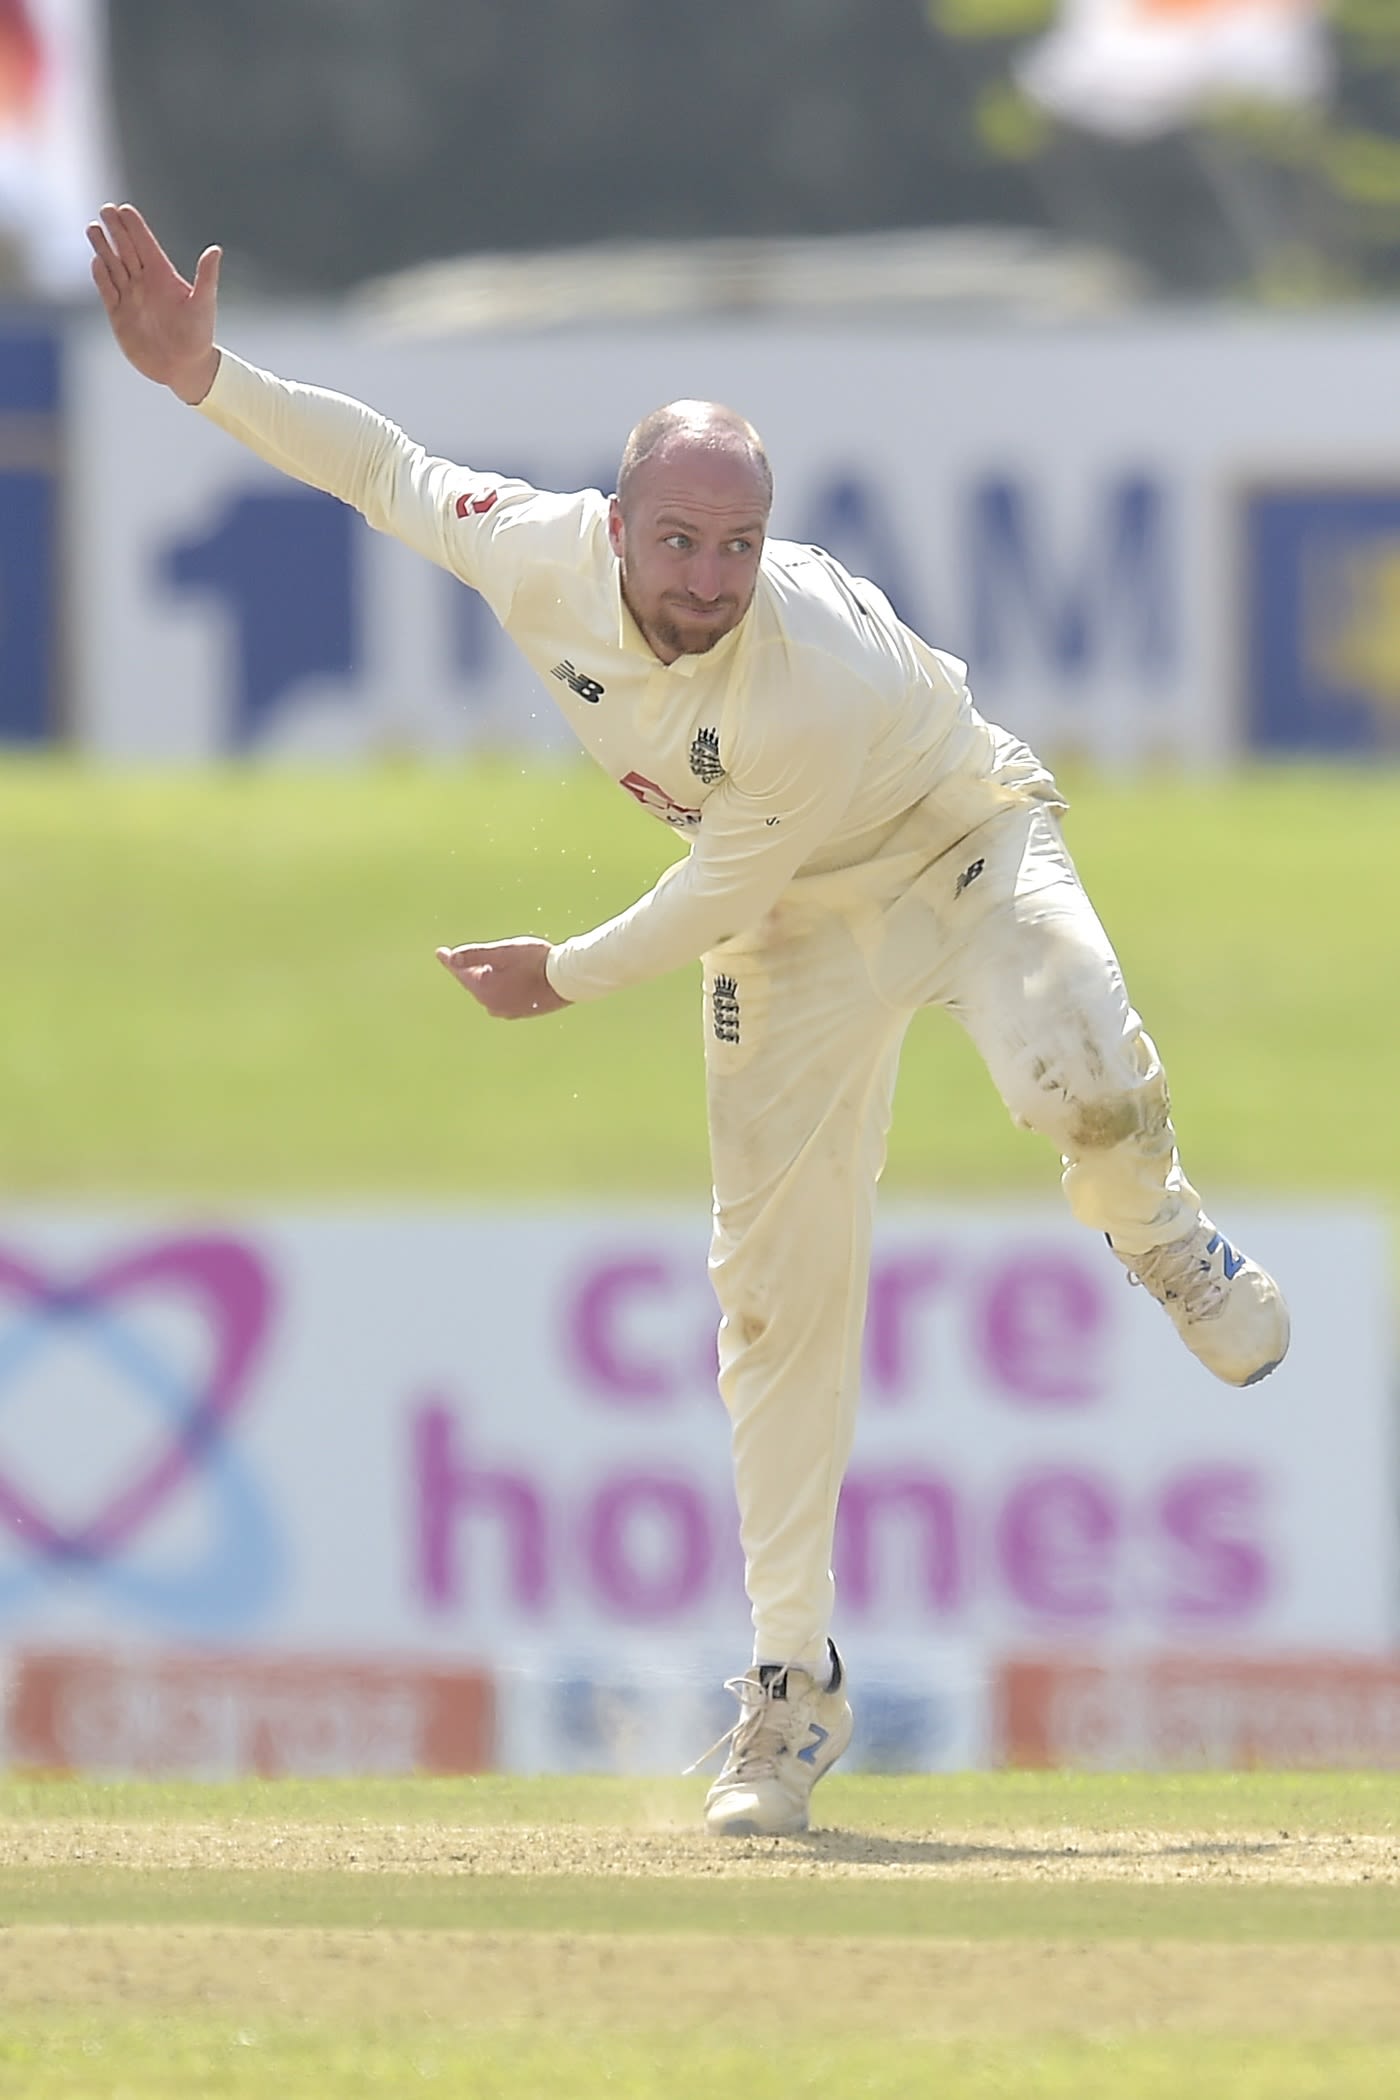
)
(1116, 603)
(1108, 602)
(1322, 602)
(283, 567)
(282, 571)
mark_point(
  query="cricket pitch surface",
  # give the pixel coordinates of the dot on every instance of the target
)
(977, 1935)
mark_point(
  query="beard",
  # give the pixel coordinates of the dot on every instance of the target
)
(695, 641)
(667, 629)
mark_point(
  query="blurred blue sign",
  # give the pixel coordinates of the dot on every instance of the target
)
(282, 565)
(285, 568)
(29, 402)
(1322, 612)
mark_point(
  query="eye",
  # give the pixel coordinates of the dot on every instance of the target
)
(680, 540)
(741, 546)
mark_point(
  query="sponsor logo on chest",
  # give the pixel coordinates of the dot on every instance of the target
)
(587, 688)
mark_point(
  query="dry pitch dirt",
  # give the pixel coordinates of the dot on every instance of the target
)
(1064, 1855)
(935, 1988)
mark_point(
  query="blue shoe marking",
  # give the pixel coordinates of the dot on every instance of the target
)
(1233, 1262)
(808, 1754)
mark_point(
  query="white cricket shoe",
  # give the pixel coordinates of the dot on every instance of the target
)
(1229, 1312)
(791, 1730)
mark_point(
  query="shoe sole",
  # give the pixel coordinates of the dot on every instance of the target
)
(1256, 1377)
(753, 1830)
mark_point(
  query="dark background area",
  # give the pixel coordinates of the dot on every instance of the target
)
(327, 141)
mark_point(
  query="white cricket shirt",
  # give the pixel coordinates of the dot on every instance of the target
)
(796, 747)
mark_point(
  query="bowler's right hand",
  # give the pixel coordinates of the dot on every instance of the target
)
(162, 323)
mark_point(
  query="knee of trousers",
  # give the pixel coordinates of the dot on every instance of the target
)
(1086, 1108)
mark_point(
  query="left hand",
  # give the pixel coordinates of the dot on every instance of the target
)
(506, 977)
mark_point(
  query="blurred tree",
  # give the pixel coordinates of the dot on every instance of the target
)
(1357, 155)
(1291, 205)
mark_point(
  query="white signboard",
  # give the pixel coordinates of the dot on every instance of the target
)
(1059, 506)
(1133, 68)
(56, 155)
(495, 1439)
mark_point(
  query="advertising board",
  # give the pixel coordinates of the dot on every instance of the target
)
(1213, 1712)
(1005, 493)
(1106, 522)
(495, 1440)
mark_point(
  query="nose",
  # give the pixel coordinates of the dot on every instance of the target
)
(703, 579)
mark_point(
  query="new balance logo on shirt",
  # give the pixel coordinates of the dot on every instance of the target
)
(587, 688)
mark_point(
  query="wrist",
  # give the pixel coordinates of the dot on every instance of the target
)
(193, 385)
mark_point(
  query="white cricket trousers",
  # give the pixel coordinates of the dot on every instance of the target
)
(804, 1020)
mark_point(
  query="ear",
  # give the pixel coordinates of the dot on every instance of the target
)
(617, 531)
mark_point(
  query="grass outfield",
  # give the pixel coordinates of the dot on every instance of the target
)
(224, 985)
(981, 1935)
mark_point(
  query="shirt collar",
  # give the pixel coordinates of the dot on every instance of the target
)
(630, 638)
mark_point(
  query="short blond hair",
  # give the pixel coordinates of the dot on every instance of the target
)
(705, 423)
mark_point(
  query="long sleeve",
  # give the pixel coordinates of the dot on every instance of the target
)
(466, 521)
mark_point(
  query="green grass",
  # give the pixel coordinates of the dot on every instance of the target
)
(1253, 1803)
(250, 2061)
(223, 985)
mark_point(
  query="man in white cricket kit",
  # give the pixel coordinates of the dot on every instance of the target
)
(861, 844)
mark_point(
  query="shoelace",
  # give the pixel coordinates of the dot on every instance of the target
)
(756, 1717)
(1180, 1272)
